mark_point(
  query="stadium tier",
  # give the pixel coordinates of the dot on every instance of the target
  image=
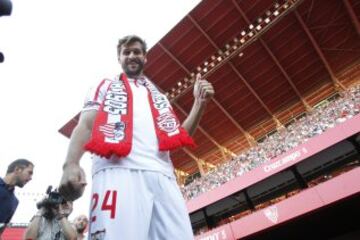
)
(311, 124)
(281, 190)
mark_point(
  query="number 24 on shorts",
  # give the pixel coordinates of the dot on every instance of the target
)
(108, 204)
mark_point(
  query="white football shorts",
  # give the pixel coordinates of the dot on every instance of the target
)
(129, 204)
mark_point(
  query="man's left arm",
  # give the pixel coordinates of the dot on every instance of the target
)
(203, 92)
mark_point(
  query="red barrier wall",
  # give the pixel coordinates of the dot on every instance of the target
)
(346, 185)
(13, 233)
(221, 233)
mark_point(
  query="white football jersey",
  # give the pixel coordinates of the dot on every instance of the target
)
(145, 152)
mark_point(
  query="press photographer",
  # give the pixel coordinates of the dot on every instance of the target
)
(51, 220)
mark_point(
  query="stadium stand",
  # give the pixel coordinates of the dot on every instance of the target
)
(283, 197)
(314, 123)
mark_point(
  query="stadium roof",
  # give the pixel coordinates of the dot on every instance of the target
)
(268, 60)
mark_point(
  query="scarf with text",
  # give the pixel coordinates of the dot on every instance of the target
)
(113, 127)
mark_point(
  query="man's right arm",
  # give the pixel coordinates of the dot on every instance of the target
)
(73, 180)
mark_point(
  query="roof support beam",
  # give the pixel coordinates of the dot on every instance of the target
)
(250, 88)
(173, 57)
(180, 176)
(197, 160)
(180, 108)
(201, 129)
(200, 162)
(275, 60)
(337, 84)
(352, 15)
(221, 148)
(231, 65)
(245, 41)
(213, 99)
(249, 138)
(287, 77)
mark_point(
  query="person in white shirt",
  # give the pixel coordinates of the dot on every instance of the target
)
(51, 222)
(130, 127)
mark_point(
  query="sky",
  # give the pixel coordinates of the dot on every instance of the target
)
(55, 50)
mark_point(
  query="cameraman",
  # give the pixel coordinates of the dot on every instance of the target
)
(51, 223)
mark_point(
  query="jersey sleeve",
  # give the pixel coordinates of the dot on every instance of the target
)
(95, 96)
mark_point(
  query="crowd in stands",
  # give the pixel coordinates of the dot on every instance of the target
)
(313, 123)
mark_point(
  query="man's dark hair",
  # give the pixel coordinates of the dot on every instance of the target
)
(5, 7)
(21, 163)
(129, 40)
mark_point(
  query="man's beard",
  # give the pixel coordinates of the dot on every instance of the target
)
(19, 183)
(133, 73)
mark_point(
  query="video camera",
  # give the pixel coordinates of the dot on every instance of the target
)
(53, 200)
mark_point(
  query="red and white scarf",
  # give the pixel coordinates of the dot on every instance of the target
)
(113, 128)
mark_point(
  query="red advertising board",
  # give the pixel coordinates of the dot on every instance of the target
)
(302, 203)
(12, 233)
(308, 200)
(221, 233)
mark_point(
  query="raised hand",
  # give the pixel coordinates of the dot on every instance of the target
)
(203, 90)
